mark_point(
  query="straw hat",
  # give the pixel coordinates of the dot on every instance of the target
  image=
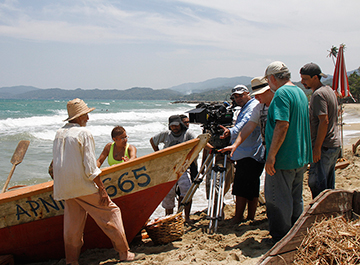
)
(259, 85)
(76, 108)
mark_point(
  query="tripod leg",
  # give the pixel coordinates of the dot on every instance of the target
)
(220, 199)
(212, 194)
(222, 194)
(195, 185)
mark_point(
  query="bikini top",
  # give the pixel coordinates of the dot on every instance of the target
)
(112, 160)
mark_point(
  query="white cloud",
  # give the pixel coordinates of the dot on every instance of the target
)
(226, 38)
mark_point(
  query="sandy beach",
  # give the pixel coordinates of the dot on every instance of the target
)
(232, 244)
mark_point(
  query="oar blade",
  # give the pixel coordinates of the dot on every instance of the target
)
(20, 152)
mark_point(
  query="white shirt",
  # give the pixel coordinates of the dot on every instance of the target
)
(256, 114)
(259, 116)
(252, 146)
(74, 162)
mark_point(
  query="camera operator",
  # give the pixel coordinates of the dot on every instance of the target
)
(248, 156)
(177, 133)
(193, 166)
(235, 106)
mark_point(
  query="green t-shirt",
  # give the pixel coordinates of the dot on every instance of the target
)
(290, 104)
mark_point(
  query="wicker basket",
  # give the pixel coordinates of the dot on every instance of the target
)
(167, 229)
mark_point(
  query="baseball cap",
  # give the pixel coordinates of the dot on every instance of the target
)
(239, 89)
(258, 85)
(311, 69)
(276, 68)
(174, 120)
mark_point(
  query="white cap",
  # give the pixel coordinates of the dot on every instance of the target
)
(276, 68)
(239, 89)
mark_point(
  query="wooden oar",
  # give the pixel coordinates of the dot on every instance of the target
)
(16, 159)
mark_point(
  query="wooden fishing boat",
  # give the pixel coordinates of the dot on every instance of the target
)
(31, 221)
(326, 204)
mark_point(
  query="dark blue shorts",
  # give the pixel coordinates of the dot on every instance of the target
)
(247, 178)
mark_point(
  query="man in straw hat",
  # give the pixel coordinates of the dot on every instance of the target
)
(77, 182)
(261, 91)
(248, 157)
(288, 150)
(177, 133)
(324, 130)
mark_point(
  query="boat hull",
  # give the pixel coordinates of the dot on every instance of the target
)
(31, 223)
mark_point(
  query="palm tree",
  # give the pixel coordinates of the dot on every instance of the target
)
(333, 53)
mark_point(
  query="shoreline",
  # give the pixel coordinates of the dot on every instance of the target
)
(196, 101)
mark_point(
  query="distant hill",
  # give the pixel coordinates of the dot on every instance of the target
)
(218, 89)
(10, 92)
(212, 84)
(172, 93)
(137, 93)
(223, 94)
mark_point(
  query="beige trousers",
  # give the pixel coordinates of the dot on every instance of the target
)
(108, 218)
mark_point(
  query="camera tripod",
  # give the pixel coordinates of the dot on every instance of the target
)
(217, 187)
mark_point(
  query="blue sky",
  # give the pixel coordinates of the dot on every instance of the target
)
(163, 43)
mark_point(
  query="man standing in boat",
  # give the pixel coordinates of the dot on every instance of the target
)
(324, 130)
(77, 182)
(288, 150)
(176, 134)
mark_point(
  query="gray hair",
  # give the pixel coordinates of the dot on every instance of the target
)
(283, 76)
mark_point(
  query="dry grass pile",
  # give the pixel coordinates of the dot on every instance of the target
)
(331, 241)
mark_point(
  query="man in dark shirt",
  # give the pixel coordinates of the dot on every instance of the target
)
(324, 130)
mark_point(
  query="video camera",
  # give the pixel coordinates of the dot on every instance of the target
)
(211, 116)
